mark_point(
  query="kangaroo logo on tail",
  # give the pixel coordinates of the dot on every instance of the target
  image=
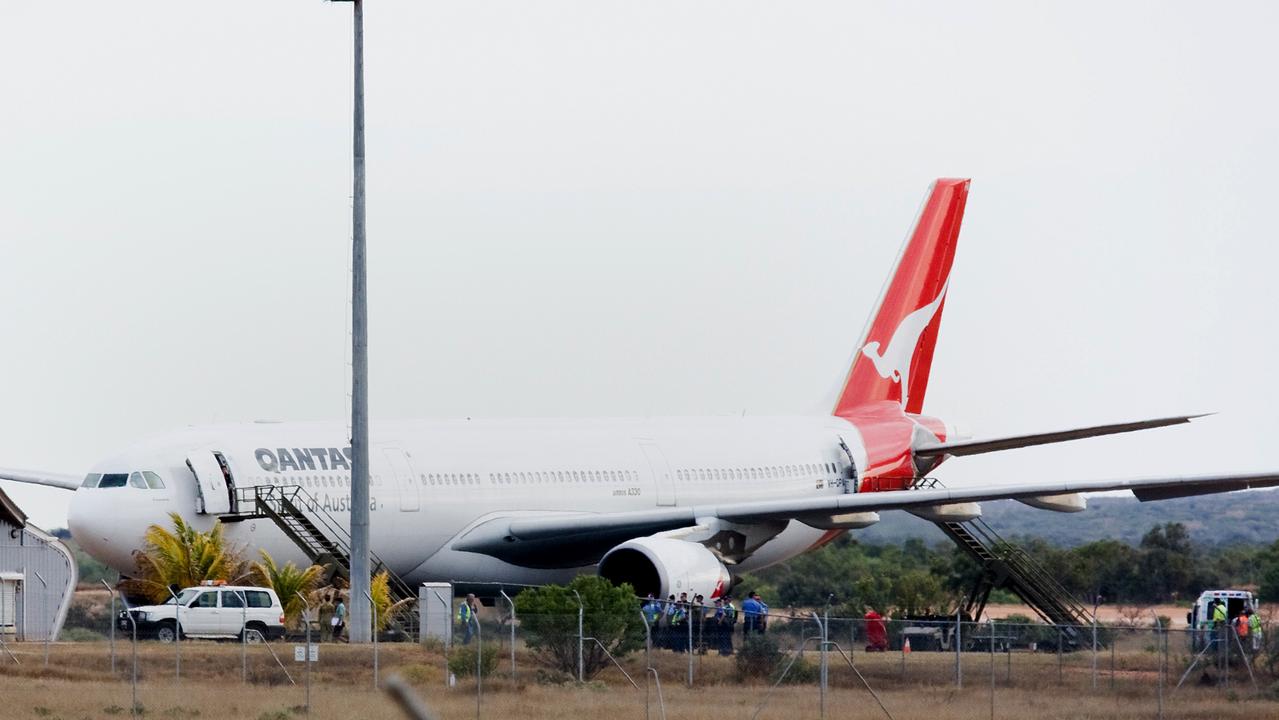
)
(894, 362)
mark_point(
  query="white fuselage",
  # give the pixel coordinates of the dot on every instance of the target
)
(432, 480)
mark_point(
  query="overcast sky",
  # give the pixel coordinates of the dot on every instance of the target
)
(603, 208)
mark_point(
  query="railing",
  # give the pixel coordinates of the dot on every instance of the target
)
(291, 501)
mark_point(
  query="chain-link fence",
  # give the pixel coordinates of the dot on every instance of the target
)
(670, 656)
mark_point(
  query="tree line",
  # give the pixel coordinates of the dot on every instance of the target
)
(914, 577)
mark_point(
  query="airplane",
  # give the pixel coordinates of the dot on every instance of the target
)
(678, 504)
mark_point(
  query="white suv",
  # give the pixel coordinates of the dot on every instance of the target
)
(211, 612)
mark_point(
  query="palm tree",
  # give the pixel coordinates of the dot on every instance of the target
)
(182, 557)
(387, 609)
(289, 582)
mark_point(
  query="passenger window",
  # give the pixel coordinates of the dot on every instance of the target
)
(153, 481)
(91, 480)
(258, 598)
(231, 599)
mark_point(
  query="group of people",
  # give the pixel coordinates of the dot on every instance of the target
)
(1246, 625)
(691, 625)
(331, 614)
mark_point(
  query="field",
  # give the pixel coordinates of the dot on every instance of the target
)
(78, 683)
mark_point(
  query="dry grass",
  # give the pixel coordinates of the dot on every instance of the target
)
(79, 684)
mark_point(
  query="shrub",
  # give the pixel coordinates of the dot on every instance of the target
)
(462, 659)
(80, 634)
(757, 657)
(419, 674)
(548, 616)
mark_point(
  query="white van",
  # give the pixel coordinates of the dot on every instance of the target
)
(211, 611)
(1200, 621)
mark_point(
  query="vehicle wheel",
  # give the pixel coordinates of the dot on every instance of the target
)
(167, 633)
(253, 635)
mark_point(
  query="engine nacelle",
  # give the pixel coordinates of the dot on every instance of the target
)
(665, 566)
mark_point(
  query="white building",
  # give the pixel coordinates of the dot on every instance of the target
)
(37, 578)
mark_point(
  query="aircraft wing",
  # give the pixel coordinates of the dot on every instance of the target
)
(39, 477)
(577, 539)
(976, 447)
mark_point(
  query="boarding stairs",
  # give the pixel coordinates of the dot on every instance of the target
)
(318, 534)
(1007, 566)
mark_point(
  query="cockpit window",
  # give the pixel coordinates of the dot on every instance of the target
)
(137, 481)
(114, 480)
(153, 481)
(91, 480)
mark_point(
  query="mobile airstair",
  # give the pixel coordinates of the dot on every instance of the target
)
(325, 542)
(1008, 567)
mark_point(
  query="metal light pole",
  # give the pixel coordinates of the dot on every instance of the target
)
(361, 615)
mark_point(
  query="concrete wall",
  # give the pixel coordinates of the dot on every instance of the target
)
(41, 609)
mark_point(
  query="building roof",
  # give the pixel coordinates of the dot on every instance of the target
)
(10, 512)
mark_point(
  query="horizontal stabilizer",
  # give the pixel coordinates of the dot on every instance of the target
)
(977, 447)
(38, 477)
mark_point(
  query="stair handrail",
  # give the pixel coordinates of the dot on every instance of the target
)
(287, 496)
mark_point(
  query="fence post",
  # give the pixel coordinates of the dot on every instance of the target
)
(373, 608)
(958, 641)
(581, 673)
(1094, 650)
(1096, 603)
(112, 630)
(512, 602)
(648, 658)
(244, 637)
(133, 711)
(688, 621)
(992, 666)
(1160, 643)
(479, 660)
(177, 635)
(306, 621)
(824, 627)
(826, 651)
(44, 616)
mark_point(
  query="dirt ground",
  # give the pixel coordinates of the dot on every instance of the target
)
(78, 683)
(1106, 614)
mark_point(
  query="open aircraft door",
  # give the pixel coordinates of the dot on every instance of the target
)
(662, 479)
(214, 484)
(405, 479)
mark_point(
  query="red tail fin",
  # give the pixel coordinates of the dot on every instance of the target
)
(895, 355)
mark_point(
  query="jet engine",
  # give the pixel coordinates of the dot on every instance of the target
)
(666, 566)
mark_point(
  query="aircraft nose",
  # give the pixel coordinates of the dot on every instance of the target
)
(100, 530)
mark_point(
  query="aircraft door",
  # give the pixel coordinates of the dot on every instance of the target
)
(405, 479)
(212, 482)
(662, 480)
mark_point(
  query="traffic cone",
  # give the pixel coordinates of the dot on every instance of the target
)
(906, 647)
